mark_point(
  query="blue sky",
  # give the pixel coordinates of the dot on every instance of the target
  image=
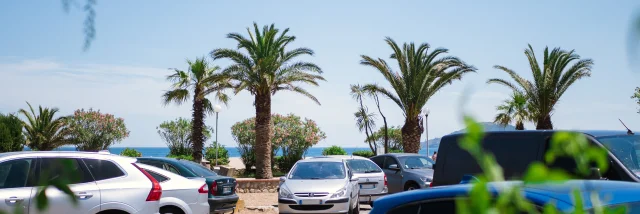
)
(42, 61)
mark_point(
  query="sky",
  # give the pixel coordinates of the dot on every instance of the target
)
(123, 72)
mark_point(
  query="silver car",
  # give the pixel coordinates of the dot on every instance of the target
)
(405, 171)
(102, 183)
(372, 180)
(180, 195)
(319, 185)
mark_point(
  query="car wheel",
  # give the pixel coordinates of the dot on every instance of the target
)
(411, 186)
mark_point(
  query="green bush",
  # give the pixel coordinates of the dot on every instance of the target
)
(129, 152)
(223, 155)
(181, 157)
(11, 137)
(363, 153)
(333, 150)
(395, 151)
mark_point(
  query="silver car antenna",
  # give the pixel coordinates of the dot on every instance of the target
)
(629, 132)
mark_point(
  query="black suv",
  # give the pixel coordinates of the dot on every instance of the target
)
(515, 150)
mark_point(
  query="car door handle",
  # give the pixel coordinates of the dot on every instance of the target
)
(13, 200)
(83, 195)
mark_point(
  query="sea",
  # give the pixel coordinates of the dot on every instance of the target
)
(233, 151)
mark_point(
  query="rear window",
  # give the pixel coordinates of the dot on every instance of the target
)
(157, 176)
(103, 169)
(198, 169)
(363, 166)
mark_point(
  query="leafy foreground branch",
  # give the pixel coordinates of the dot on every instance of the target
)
(511, 199)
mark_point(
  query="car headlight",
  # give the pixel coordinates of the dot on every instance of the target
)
(284, 193)
(426, 179)
(340, 193)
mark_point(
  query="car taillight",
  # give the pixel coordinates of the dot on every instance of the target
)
(431, 184)
(385, 180)
(204, 189)
(214, 188)
(156, 191)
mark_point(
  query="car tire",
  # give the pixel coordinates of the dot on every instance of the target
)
(411, 186)
(170, 210)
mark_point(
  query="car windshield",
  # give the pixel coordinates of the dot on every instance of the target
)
(416, 162)
(363, 166)
(318, 170)
(198, 169)
(626, 148)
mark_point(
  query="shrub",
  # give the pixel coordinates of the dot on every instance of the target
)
(291, 135)
(396, 151)
(181, 157)
(333, 150)
(11, 137)
(91, 130)
(177, 135)
(363, 153)
(129, 152)
(223, 154)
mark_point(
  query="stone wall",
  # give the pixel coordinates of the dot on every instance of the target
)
(257, 185)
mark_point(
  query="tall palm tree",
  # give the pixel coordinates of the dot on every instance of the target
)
(197, 83)
(513, 109)
(370, 90)
(263, 69)
(549, 82)
(422, 74)
(43, 131)
(365, 122)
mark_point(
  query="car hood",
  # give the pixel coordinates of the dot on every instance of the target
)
(329, 185)
(421, 172)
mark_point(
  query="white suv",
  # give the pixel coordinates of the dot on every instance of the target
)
(102, 183)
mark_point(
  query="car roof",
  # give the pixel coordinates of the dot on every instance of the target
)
(343, 157)
(593, 133)
(101, 154)
(403, 154)
(165, 159)
(615, 192)
(327, 159)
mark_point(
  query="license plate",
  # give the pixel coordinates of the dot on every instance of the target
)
(226, 190)
(310, 201)
(367, 186)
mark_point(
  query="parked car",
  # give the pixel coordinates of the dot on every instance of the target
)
(405, 171)
(102, 183)
(515, 150)
(222, 189)
(179, 194)
(372, 181)
(319, 185)
(611, 193)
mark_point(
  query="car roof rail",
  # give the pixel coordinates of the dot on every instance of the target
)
(104, 152)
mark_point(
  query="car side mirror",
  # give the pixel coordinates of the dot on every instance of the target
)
(354, 178)
(394, 167)
(283, 178)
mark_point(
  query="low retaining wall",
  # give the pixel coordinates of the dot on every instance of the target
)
(257, 185)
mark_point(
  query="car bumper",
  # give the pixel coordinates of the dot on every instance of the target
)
(222, 204)
(367, 199)
(327, 206)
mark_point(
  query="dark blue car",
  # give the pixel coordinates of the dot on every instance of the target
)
(442, 199)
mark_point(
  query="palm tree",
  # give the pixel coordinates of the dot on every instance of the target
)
(422, 74)
(263, 69)
(549, 82)
(43, 132)
(513, 109)
(365, 121)
(370, 90)
(197, 83)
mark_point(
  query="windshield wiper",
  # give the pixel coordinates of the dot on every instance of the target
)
(315, 178)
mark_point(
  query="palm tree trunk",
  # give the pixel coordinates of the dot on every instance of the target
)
(384, 119)
(411, 132)
(519, 125)
(544, 123)
(263, 135)
(197, 137)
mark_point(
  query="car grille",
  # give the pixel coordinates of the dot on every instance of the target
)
(311, 194)
(311, 207)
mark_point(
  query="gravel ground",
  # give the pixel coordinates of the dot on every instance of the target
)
(266, 199)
